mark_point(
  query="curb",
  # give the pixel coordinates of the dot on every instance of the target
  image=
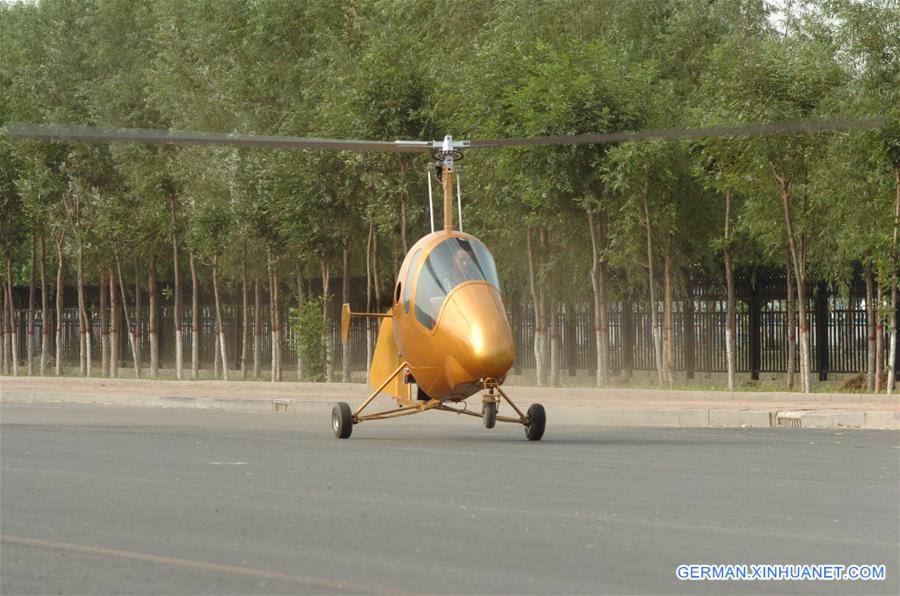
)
(561, 414)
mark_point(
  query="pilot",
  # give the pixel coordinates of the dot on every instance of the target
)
(460, 264)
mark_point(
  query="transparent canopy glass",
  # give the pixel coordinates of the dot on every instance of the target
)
(452, 262)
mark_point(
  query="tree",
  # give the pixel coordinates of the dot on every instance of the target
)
(782, 79)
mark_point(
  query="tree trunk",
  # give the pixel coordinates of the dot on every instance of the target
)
(104, 327)
(271, 283)
(85, 318)
(554, 344)
(544, 301)
(176, 290)
(538, 315)
(301, 299)
(245, 320)
(219, 327)
(345, 298)
(798, 258)
(138, 324)
(804, 335)
(29, 350)
(403, 221)
(276, 321)
(273, 368)
(326, 316)
(82, 317)
(257, 328)
(369, 330)
(730, 344)
(791, 325)
(879, 334)
(113, 328)
(60, 293)
(892, 350)
(599, 287)
(216, 359)
(688, 327)
(195, 321)
(376, 278)
(154, 319)
(5, 331)
(870, 327)
(131, 335)
(668, 327)
(369, 298)
(4, 334)
(654, 315)
(404, 166)
(11, 309)
(892, 346)
(45, 310)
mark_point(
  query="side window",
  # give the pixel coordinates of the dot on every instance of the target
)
(397, 293)
(410, 273)
(429, 295)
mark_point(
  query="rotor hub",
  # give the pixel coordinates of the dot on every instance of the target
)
(449, 151)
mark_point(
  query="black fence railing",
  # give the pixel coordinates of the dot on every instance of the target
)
(837, 336)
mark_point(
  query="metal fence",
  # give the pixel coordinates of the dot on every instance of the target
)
(699, 336)
(837, 334)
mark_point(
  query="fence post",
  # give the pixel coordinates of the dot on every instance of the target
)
(755, 332)
(627, 337)
(822, 330)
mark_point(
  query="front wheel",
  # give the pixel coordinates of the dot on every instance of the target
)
(535, 422)
(342, 420)
(489, 412)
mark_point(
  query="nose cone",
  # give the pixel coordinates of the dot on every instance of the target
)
(475, 325)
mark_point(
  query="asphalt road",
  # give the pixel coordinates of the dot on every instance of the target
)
(125, 500)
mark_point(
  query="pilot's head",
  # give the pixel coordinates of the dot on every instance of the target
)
(460, 261)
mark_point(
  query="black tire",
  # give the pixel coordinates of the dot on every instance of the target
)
(489, 413)
(342, 420)
(536, 422)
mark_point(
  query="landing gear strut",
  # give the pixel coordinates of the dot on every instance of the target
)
(535, 421)
(343, 418)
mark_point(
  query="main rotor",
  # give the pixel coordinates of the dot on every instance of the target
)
(445, 153)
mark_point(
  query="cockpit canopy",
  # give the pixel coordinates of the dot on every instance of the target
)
(450, 263)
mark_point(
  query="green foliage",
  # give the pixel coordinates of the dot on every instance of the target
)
(307, 333)
(409, 69)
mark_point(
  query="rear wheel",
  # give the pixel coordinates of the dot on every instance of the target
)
(536, 421)
(342, 420)
(489, 412)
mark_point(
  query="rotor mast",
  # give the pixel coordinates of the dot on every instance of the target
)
(447, 181)
(447, 155)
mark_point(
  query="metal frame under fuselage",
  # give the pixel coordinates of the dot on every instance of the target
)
(407, 405)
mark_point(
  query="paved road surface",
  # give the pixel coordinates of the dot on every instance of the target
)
(139, 500)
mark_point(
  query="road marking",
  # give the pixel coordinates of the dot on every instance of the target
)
(306, 580)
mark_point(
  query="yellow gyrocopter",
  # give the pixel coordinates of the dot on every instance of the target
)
(446, 333)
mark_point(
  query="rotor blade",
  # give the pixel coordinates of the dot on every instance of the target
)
(688, 133)
(86, 134)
